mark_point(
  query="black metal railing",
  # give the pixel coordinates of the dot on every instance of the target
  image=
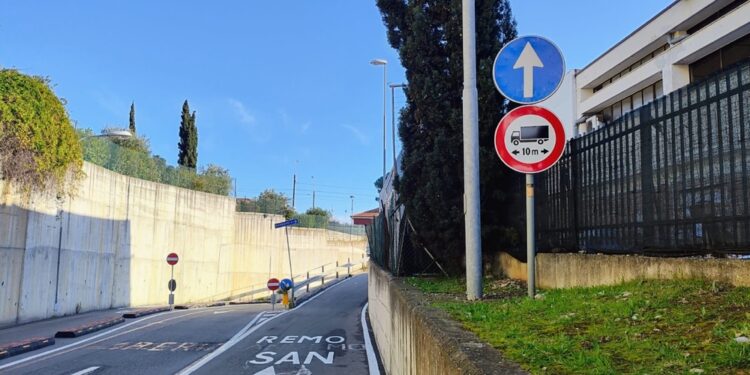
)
(671, 177)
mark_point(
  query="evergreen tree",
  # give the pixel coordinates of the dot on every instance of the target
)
(188, 145)
(427, 35)
(132, 118)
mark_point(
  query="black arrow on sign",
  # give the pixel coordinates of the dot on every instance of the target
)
(515, 152)
(544, 151)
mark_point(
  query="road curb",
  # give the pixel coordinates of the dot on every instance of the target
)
(144, 312)
(88, 328)
(217, 304)
(20, 347)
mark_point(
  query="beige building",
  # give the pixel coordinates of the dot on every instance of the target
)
(684, 43)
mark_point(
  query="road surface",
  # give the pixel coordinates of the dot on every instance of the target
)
(324, 335)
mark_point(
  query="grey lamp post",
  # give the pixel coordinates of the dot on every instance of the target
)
(393, 87)
(384, 63)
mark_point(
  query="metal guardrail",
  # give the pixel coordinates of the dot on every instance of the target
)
(312, 278)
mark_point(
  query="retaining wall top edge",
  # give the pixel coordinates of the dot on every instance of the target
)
(469, 354)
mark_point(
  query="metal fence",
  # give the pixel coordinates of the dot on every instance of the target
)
(668, 178)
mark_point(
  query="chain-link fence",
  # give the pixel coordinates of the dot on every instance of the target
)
(668, 178)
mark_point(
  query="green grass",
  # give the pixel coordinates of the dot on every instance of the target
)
(645, 327)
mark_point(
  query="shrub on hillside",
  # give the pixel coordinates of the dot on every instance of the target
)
(39, 149)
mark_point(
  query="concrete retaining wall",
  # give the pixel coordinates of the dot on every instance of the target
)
(107, 246)
(571, 270)
(415, 339)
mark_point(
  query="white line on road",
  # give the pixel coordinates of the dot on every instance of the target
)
(71, 346)
(86, 371)
(247, 332)
(222, 311)
(372, 361)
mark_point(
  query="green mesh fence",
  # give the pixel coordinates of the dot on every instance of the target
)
(139, 163)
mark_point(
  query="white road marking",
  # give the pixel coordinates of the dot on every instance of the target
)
(247, 332)
(222, 311)
(81, 342)
(267, 371)
(86, 371)
(372, 361)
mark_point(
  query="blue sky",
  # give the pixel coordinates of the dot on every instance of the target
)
(279, 87)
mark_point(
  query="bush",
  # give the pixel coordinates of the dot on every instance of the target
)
(39, 149)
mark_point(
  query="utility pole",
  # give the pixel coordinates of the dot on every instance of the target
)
(294, 190)
(313, 183)
(472, 219)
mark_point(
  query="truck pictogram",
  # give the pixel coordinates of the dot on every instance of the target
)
(538, 134)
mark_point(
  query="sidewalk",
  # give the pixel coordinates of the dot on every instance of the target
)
(48, 327)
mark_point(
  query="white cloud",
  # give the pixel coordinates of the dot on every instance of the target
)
(249, 123)
(242, 112)
(306, 126)
(361, 137)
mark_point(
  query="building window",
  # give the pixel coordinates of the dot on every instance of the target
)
(721, 59)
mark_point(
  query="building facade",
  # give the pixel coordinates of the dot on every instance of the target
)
(685, 43)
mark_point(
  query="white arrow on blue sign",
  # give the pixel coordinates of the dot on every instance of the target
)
(528, 69)
(286, 284)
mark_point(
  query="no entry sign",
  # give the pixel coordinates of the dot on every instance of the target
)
(273, 284)
(172, 259)
(530, 139)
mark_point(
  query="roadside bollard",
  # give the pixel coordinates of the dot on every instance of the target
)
(322, 275)
(307, 287)
(337, 269)
(349, 266)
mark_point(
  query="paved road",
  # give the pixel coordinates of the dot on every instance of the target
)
(324, 334)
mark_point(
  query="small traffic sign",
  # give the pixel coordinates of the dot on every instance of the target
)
(528, 69)
(172, 259)
(286, 284)
(273, 284)
(172, 285)
(286, 223)
(530, 139)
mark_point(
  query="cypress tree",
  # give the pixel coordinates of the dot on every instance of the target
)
(188, 145)
(427, 35)
(132, 118)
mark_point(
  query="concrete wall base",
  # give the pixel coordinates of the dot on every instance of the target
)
(415, 339)
(574, 270)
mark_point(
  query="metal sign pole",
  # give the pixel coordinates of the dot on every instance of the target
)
(291, 275)
(171, 293)
(530, 235)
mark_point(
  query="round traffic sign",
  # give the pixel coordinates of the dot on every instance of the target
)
(528, 69)
(286, 284)
(530, 139)
(172, 259)
(273, 284)
(172, 285)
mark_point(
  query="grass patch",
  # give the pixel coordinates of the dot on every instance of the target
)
(644, 327)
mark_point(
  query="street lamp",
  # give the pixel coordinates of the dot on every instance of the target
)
(393, 86)
(384, 63)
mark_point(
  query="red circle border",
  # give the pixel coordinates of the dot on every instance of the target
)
(549, 161)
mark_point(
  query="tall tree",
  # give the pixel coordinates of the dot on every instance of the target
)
(427, 35)
(132, 118)
(188, 145)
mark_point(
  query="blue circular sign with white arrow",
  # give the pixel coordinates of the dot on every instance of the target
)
(286, 284)
(528, 69)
